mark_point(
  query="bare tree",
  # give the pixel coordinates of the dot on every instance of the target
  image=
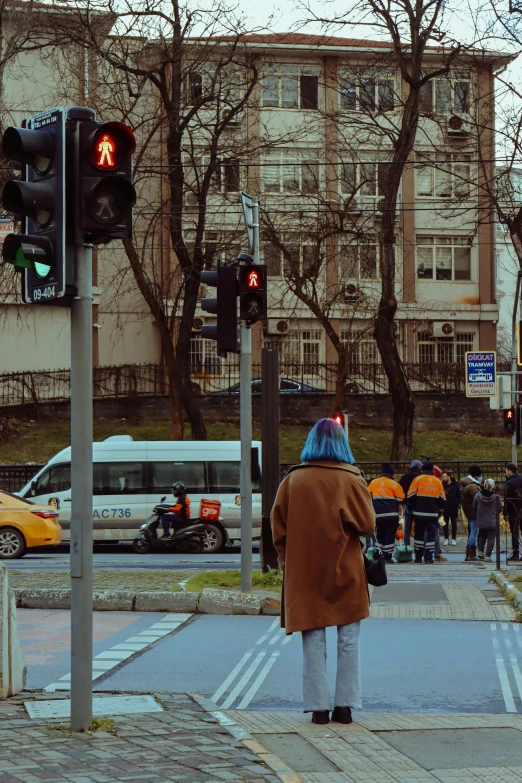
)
(410, 28)
(190, 72)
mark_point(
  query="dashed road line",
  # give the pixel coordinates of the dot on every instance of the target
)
(503, 676)
(116, 655)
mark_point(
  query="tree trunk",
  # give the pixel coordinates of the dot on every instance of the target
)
(176, 414)
(186, 393)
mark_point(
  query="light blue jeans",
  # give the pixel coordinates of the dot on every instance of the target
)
(473, 532)
(348, 682)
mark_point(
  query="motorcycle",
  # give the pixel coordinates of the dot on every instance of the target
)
(190, 538)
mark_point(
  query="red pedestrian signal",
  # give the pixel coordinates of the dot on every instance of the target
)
(510, 421)
(339, 419)
(110, 145)
(253, 279)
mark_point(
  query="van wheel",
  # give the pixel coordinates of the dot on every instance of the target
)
(12, 544)
(214, 540)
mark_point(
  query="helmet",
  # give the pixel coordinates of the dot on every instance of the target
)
(177, 488)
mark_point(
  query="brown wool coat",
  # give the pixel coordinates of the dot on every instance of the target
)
(319, 513)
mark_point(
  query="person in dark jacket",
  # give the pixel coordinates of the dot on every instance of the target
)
(469, 488)
(415, 470)
(513, 507)
(487, 506)
(387, 497)
(426, 499)
(451, 512)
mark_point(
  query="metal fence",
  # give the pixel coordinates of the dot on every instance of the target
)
(14, 477)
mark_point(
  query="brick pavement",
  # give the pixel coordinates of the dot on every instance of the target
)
(362, 756)
(184, 744)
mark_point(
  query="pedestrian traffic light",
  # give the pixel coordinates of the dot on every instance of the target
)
(106, 192)
(224, 306)
(339, 418)
(510, 420)
(38, 199)
(252, 290)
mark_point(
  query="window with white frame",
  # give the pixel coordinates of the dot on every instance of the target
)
(300, 257)
(225, 179)
(444, 350)
(363, 179)
(204, 358)
(290, 171)
(290, 86)
(443, 176)
(363, 347)
(299, 352)
(447, 94)
(443, 258)
(359, 260)
(367, 91)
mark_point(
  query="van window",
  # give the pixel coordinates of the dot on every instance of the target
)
(119, 478)
(192, 474)
(56, 479)
(224, 477)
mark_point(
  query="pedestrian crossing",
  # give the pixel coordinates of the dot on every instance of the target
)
(506, 640)
(109, 659)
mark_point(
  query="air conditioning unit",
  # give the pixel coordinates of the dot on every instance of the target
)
(197, 323)
(279, 326)
(191, 199)
(458, 127)
(352, 293)
(443, 329)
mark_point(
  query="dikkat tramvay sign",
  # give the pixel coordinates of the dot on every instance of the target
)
(481, 373)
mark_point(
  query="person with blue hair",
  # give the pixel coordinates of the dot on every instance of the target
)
(322, 508)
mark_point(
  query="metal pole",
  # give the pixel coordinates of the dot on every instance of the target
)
(345, 420)
(514, 382)
(246, 456)
(497, 543)
(245, 381)
(81, 487)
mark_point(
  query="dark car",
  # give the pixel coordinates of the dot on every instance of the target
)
(286, 386)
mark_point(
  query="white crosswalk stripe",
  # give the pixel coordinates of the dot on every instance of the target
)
(504, 653)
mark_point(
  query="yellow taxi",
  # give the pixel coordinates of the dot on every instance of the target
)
(24, 525)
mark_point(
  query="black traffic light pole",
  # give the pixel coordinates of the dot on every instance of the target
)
(514, 376)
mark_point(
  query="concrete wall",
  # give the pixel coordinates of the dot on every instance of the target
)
(449, 412)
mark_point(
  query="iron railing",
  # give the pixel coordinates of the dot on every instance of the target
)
(221, 377)
(14, 477)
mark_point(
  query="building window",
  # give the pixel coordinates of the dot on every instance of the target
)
(443, 258)
(366, 91)
(443, 176)
(447, 94)
(226, 178)
(363, 349)
(445, 350)
(204, 359)
(291, 87)
(299, 259)
(358, 261)
(362, 181)
(195, 86)
(286, 171)
(299, 352)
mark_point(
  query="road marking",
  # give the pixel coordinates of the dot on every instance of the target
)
(261, 677)
(245, 679)
(505, 686)
(105, 661)
(512, 659)
(231, 677)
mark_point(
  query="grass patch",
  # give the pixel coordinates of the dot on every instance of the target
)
(39, 440)
(103, 724)
(231, 580)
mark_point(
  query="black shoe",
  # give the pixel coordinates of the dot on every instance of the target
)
(428, 560)
(321, 716)
(514, 557)
(165, 535)
(342, 715)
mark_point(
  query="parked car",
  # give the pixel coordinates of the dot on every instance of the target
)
(286, 386)
(25, 525)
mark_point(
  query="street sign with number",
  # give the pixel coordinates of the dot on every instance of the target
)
(481, 373)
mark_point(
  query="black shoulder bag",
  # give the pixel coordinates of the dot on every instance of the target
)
(376, 568)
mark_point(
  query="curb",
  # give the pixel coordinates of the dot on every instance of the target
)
(209, 601)
(278, 767)
(512, 592)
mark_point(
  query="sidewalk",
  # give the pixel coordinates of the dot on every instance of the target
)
(389, 747)
(183, 743)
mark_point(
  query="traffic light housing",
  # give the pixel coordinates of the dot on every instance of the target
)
(106, 192)
(510, 420)
(224, 306)
(38, 198)
(252, 292)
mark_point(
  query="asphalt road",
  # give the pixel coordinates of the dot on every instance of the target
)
(121, 556)
(248, 662)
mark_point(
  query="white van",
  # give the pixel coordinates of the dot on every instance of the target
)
(131, 477)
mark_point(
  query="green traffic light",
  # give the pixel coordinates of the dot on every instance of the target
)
(29, 252)
(20, 260)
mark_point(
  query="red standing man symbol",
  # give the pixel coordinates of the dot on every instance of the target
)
(253, 279)
(106, 148)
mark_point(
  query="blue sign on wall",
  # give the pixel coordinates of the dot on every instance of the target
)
(481, 373)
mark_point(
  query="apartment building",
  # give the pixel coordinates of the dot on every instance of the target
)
(318, 129)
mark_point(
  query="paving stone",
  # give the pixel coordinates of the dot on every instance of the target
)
(166, 602)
